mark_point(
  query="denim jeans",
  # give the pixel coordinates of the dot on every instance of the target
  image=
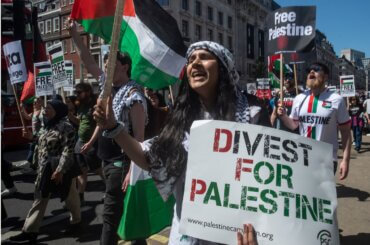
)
(357, 136)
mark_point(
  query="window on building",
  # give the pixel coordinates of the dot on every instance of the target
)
(220, 18)
(96, 58)
(48, 26)
(185, 28)
(198, 32)
(250, 41)
(41, 27)
(56, 24)
(64, 18)
(71, 1)
(64, 43)
(210, 34)
(163, 2)
(48, 44)
(63, 3)
(230, 43)
(73, 48)
(210, 13)
(57, 4)
(229, 2)
(221, 38)
(198, 8)
(230, 22)
(261, 44)
(185, 5)
(94, 39)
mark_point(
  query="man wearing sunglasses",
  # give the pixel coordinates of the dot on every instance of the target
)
(319, 113)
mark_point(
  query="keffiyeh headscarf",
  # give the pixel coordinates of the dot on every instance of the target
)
(222, 53)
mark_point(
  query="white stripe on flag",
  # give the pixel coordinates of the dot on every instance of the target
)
(154, 50)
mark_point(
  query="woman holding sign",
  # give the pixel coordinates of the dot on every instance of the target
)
(208, 91)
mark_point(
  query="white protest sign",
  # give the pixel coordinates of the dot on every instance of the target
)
(43, 79)
(56, 53)
(69, 69)
(15, 62)
(280, 182)
(347, 86)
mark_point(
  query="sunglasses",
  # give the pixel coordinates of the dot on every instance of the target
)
(314, 68)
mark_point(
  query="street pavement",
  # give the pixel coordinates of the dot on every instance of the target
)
(353, 207)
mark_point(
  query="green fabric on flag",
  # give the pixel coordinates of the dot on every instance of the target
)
(275, 82)
(286, 67)
(145, 213)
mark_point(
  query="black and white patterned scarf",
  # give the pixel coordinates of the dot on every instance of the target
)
(242, 113)
(222, 53)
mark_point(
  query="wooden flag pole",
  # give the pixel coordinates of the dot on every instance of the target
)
(171, 95)
(63, 94)
(112, 58)
(295, 78)
(18, 106)
(281, 79)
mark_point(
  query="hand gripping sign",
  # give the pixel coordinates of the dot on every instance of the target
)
(280, 182)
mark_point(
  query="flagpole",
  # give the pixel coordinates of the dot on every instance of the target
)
(18, 106)
(295, 78)
(63, 94)
(118, 15)
(281, 79)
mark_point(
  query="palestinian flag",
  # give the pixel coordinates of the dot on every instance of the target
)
(148, 33)
(56, 53)
(28, 91)
(145, 213)
(274, 67)
(275, 82)
(43, 69)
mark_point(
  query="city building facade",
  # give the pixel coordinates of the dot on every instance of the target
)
(353, 55)
(236, 24)
(51, 21)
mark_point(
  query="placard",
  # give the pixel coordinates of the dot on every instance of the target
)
(280, 182)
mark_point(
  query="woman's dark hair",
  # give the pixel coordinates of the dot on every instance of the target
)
(167, 149)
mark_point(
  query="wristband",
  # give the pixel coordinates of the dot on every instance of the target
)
(112, 133)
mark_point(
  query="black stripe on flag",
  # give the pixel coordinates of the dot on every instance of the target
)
(161, 23)
(43, 67)
(67, 64)
(55, 50)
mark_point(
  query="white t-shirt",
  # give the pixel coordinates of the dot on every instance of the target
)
(319, 116)
(367, 105)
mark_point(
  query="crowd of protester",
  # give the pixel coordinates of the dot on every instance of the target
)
(72, 137)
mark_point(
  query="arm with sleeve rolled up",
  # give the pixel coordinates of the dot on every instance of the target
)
(84, 53)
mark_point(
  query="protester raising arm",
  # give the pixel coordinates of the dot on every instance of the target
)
(89, 62)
